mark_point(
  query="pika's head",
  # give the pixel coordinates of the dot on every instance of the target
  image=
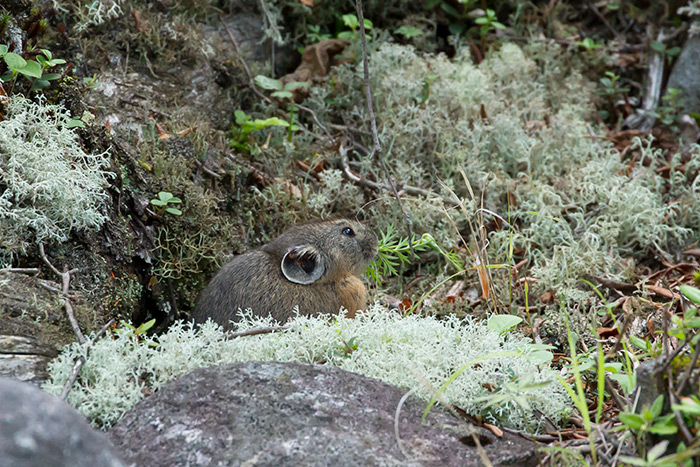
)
(324, 250)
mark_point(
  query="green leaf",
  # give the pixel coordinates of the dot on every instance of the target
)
(14, 61)
(634, 460)
(632, 420)
(503, 323)
(75, 123)
(145, 326)
(667, 428)
(173, 211)
(50, 76)
(295, 84)
(450, 10)
(57, 61)
(637, 342)
(157, 202)
(408, 31)
(282, 94)
(657, 451)
(47, 53)
(658, 46)
(351, 21)
(241, 116)
(542, 356)
(688, 406)
(268, 83)
(32, 69)
(691, 293)
(657, 406)
(3, 49)
(456, 29)
(165, 196)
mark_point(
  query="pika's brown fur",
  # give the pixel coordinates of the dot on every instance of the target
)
(315, 266)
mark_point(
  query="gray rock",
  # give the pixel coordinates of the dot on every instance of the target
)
(25, 359)
(37, 429)
(280, 414)
(686, 75)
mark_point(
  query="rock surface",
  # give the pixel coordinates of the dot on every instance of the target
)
(686, 75)
(37, 429)
(24, 359)
(257, 413)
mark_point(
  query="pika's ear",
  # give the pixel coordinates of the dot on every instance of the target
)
(303, 265)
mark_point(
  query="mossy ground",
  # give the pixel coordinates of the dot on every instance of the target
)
(520, 115)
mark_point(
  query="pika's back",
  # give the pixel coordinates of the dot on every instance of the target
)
(315, 266)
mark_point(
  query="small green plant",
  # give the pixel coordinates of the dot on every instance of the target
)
(34, 71)
(409, 31)
(611, 87)
(282, 91)
(669, 52)
(395, 251)
(164, 201)
(653, 458)
(489, 22)
(503, 323)
(246, 125)
(589, 45)
(672, 107)
(91, 81)
(314, 34)
(353, 23)
(138, 334)
(458, 18)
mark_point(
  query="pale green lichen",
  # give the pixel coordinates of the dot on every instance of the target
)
(410, 352)
(50, 186)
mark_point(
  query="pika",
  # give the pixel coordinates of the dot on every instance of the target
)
(315, 266)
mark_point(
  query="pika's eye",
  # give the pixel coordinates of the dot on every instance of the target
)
(349, 232)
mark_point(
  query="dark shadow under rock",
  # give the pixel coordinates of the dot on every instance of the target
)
(297, 414)
(38, 429)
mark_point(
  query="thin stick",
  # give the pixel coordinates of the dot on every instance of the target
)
(258, 331)
(81, 361)
(363, 181)
(376, 147)
(65, 278)
(21, 270)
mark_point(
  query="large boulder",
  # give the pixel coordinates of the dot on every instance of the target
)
(38, 429)
(686, 75)
(257, 413)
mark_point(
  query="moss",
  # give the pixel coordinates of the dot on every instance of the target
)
(386, 345)
(51, 187)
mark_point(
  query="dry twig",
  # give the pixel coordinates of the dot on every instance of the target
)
(65, 278)
(376, 147)
(81, 361)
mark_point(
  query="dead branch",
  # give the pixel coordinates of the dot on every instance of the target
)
(376, 147)
(21, 270)
(643, 119)
(65, 278)
(81, 361)
(258, 331)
